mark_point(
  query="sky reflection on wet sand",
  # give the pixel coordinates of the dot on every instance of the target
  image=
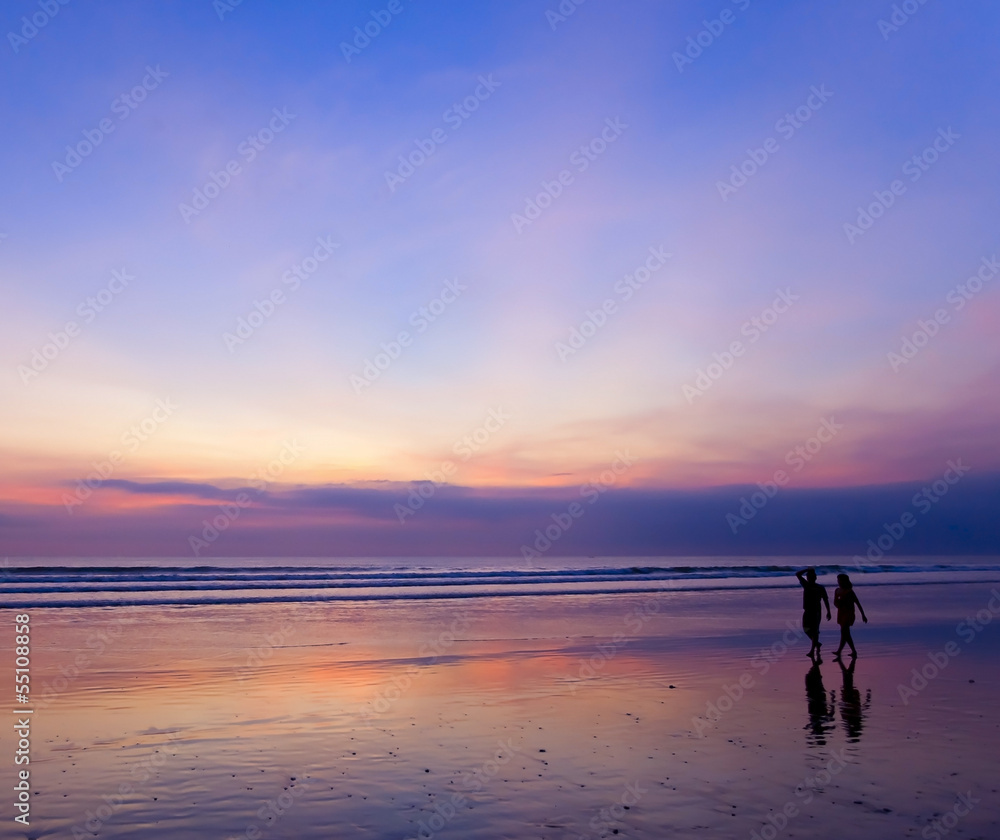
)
(371, 719)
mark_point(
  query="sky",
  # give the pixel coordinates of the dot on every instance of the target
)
(403, 278)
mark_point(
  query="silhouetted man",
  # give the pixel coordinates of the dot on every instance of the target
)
(813, 596)
(820, 710)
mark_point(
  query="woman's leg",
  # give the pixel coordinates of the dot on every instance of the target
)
(850, 641)
(844, 633)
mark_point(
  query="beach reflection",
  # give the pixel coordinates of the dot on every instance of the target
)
(822, 710)
(530, 722)
(194, 721)
(821, 717)
(852, 710)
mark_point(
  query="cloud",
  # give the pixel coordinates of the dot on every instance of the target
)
(343, 520)
(169, 488)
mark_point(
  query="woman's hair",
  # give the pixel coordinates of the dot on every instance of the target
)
(844, 581)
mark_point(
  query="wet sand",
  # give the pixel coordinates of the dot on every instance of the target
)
(682, 714)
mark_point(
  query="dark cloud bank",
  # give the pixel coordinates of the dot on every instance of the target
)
(910, 518)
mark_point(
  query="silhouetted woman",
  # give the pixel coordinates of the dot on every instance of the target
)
(844, 600)
(852, 710)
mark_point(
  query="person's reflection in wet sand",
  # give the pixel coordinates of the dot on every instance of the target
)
(820, 711)
(852, 710)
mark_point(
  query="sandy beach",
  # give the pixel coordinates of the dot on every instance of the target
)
(681, 714)
(426, 420)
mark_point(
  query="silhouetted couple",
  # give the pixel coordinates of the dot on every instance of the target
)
(821, 711)
(844, 599)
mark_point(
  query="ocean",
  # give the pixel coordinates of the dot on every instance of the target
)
(109, 582)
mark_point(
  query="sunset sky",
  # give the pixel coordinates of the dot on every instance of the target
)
(218, 220)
